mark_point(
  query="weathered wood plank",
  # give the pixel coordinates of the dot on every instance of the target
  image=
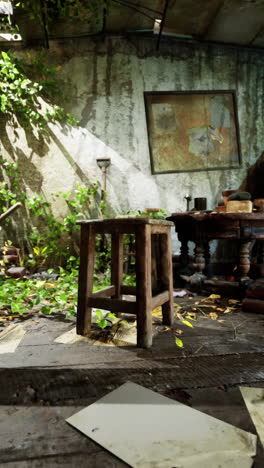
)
(167, 277)
(130, 290)
(42, 434)
(117, 263)
(159, 299)
(115, 305)
(105, 292)
(144, 292)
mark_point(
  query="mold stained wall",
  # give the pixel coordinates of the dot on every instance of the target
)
(104, 83)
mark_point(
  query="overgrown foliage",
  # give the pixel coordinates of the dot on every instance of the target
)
(23, 98)
(50, 241)
(50, 10)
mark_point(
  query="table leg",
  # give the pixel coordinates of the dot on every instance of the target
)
(117, 264)
(199, 259)
(86, 271)
(143, 288)
(244, 261)
(184, 251)
(167, 278)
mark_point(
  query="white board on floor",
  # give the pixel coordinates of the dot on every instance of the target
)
(148, 430)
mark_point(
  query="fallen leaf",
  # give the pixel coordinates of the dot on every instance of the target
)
(214, 296)
(220, 309)
(233, 301)
(179, 342)
(50, 285)
(187, 323)
(157, 312)
(179, 316)
(177, 331)
(213, 315)
(228, 310)
(211, 306)
(190, 317)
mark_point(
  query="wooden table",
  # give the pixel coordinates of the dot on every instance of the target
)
(204, 226)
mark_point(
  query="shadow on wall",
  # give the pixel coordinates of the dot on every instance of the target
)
(254, 180)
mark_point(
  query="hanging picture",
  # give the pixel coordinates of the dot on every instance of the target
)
(192, 131)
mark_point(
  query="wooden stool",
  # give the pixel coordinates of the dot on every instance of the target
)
(110, 298)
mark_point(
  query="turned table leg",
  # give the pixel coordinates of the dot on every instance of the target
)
(184, 251)
(199, 259)
(244, 260)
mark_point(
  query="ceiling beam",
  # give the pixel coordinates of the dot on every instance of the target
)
(137, 5)
(162, 22)
(133, 7)
(213, 17)
(261, 29)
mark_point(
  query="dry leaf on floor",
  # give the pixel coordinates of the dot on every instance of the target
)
(214, 296)
(179, 343)
(211, 306)
(191, 316)
(177, 331)
(229, 310)
(233, 301)
(157, 312)
(213, 315)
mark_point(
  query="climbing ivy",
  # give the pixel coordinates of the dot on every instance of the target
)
(20, 96)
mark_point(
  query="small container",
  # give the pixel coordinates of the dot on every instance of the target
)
(200, 204)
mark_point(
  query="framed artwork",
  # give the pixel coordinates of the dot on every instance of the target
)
(192, 131)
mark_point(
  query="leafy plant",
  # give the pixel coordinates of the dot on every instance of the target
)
(21, 96)
(51, 241)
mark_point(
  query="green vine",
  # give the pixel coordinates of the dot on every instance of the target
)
(21, 96)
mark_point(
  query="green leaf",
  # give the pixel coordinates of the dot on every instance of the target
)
(103, 323)
(187, 323)
(111, 315)
(99, 313)
(179, 342)
(46, 310)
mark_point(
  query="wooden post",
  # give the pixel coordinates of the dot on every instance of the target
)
(244, 261)
(86, 271)
(167, 277)
(117, 263)
(143, 288)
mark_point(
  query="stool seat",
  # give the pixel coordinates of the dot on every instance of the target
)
(110, 298)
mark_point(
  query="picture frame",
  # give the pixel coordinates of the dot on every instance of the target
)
(192, 130)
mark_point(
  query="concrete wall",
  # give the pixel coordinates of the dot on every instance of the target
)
(104, 84)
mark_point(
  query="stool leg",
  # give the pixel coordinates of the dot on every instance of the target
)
(86, 271)
(143, 288)
(167, 278)
(117, 263)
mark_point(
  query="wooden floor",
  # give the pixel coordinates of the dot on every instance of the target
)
(44, 381)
